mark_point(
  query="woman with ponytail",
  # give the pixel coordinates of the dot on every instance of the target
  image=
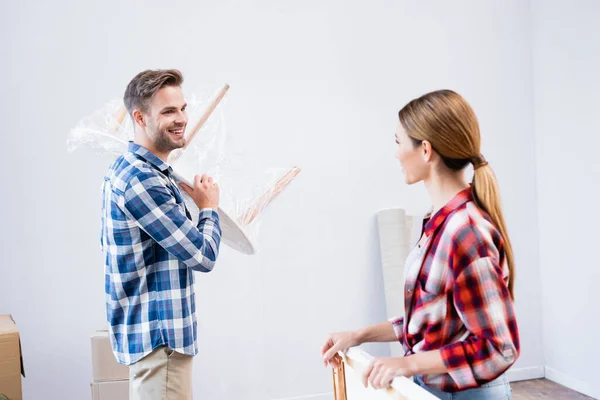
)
(459, 332)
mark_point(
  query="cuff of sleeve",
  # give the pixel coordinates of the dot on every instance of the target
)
(398, 325)
(456, 361)
(208, 213)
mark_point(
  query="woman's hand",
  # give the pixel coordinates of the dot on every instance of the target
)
(340, 341)
(382, 371)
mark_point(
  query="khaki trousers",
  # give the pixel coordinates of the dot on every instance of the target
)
(162, 375)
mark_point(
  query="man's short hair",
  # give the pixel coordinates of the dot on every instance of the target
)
(144, 85)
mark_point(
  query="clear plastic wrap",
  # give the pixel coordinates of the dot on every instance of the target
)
(246, 190)
(105, 130)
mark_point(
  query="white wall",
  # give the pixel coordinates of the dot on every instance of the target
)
(566, 65)
(313, 83)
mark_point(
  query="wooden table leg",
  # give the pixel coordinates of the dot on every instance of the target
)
(339, 382)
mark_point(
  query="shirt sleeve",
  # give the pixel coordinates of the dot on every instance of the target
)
(483, 303)
(398, 325)
(150, 203)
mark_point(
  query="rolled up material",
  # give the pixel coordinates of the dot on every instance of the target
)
(398, 233)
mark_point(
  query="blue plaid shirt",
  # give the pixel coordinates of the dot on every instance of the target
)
(152, 248)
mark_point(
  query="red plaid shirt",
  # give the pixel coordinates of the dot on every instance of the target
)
(457, 299)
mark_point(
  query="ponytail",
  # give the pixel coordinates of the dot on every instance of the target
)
(487, 197)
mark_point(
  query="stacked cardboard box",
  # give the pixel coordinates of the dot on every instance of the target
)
(11, 361)
(110, 380)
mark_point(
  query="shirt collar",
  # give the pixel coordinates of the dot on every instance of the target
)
(148, 156)
(435, 221)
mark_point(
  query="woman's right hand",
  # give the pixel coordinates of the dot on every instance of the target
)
(340, 341)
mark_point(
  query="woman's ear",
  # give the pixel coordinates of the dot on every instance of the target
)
(426, 151)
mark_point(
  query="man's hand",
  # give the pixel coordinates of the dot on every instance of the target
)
(205, 192)
(382, 371)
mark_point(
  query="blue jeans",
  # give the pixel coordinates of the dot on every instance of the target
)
(498, 389)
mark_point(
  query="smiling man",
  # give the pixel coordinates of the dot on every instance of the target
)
(152, 247)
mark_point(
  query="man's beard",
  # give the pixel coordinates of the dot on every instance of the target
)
(164, 143)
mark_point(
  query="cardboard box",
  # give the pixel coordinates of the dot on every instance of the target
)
(11, 360)
(104, 364)
(113, 390)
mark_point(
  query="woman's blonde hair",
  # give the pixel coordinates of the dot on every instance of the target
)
(448, 122)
